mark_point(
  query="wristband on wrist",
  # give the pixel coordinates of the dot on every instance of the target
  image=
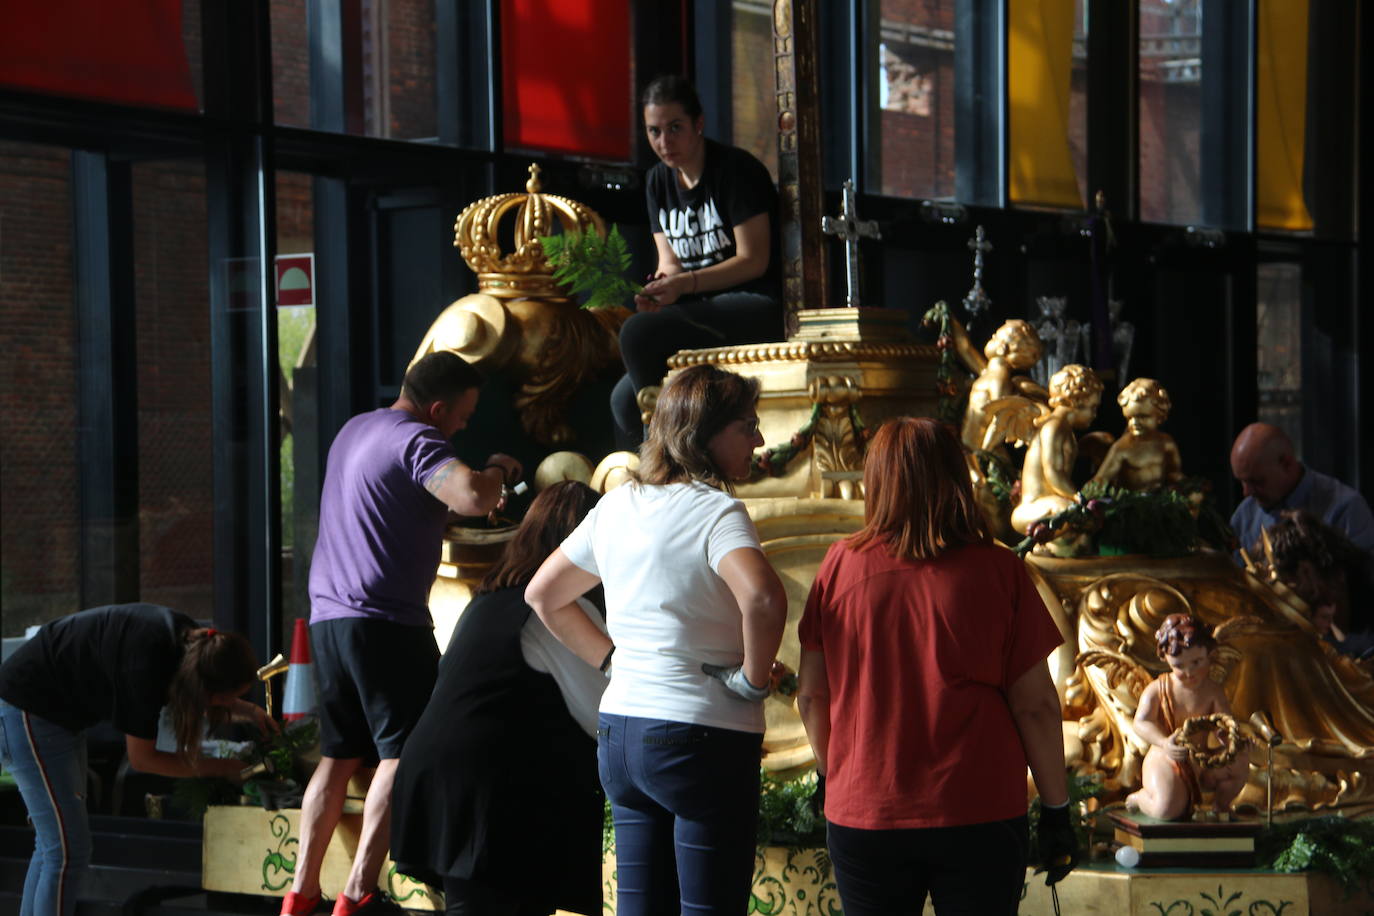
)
(606, 662)
(694, 279)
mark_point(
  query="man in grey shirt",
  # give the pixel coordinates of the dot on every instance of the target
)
(1273, 479)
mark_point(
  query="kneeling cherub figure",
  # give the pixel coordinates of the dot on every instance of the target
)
(1172, 782)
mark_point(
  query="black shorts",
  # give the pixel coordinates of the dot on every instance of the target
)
(374, 678)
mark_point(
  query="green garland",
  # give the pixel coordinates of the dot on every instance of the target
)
(950, 407)
(773, 461)
(1331, 845)
(1158, 523)
(788, 814)
(584, 262)
(1000, 475)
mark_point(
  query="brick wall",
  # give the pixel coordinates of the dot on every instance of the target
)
(1170, 152)
(39, 522)
(175, 480)
(916, 151)
(410, 69)
(290, 63)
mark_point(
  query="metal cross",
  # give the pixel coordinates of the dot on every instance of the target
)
(977, 301)
(849, 228)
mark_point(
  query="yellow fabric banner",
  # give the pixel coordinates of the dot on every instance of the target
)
(1281, 113)
(1039, 68)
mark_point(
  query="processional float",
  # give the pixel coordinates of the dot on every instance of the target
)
(824, 389)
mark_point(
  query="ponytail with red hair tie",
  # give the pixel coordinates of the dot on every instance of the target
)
(210, 633)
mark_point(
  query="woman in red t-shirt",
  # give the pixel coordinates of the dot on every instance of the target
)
(925, 693)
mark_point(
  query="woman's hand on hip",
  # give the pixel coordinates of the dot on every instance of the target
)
(732, 676)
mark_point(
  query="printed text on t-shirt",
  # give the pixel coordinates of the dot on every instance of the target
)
(694, 233)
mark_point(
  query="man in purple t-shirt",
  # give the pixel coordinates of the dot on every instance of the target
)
(390, 482)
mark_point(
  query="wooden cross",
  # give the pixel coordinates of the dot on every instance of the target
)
(849, 228)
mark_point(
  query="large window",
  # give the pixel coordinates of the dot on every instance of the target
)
(1278, 313)
(298, 388)
(381, 81)
(40, 517)
(1047, 58)
(172, 319)
(1171, 110)
(754, 94)
(913, 55)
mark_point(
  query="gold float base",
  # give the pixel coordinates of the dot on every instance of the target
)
(252, 851)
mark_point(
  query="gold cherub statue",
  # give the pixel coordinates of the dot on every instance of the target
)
(1143, 458)
(1013, 348)
(1050, 434)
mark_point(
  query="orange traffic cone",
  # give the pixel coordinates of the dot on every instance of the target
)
(301, 699)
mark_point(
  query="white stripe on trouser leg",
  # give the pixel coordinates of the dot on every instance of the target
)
(57, 812)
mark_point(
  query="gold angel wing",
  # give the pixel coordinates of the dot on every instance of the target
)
(1223, 660)
(1120, 669)
(1012, 420)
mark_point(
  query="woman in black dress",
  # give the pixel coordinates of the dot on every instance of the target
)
(497, 799)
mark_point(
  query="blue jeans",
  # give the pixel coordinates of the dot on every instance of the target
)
(48, 762)
(685, 799)
(971, 870)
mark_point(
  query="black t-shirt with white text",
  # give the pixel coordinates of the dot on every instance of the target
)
(699, 222)
(107, 664)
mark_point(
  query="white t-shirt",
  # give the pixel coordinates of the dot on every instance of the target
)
(656, 550)
(580, 683)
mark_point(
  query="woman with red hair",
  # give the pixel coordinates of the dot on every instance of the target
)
(925, 693)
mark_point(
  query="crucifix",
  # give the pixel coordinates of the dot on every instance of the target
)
(849, 228)
(977, 301)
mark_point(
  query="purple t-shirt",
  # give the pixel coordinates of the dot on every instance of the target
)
(381, 531)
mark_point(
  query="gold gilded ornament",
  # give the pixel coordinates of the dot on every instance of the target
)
(561, 466)
(520, 322)
(524, 271)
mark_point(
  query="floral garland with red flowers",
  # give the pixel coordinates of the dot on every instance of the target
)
(773, 461)
(950, 406)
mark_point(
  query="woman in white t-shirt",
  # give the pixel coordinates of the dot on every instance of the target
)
(695, 613)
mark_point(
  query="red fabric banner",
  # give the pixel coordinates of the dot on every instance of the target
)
(128, 51)
(566, 76)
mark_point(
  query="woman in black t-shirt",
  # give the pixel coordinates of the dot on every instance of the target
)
(119, 664)
(713, 211)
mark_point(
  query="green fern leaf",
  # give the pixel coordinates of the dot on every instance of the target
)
(586, 263)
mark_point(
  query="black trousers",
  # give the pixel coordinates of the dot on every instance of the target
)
(647, 339)
(978, 869)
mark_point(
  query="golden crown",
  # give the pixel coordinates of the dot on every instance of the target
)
(525, 272)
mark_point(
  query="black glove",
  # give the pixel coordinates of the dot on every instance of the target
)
(1058, 844)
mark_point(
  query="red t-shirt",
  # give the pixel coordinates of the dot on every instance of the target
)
(918, 655)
